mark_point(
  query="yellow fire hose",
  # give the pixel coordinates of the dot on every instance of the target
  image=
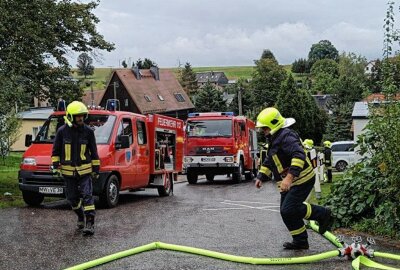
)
(356, 263)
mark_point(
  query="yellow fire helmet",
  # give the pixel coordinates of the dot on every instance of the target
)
(327, 144)
(308, 143)
(75, 108)
(271, 118)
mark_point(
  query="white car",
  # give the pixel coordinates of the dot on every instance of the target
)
(343, 154)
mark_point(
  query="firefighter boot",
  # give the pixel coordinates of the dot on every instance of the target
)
(89, 226)
(326, 223)
(81, 218)
(296, 245)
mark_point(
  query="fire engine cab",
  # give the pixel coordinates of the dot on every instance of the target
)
(220, 143)
(136, 152)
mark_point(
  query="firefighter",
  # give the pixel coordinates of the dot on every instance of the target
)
(75, 157)
(291, 168)
(328, 160)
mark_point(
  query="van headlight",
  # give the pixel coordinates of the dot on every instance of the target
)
(29, 161)
(228, 159)
(188, 160)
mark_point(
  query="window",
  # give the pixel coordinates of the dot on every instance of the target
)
(179, 97)
(146, 97)
(125, 128)
(342, 147)
(160, 97)
(126, 102)
(141, 132)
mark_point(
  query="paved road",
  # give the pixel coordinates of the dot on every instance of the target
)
(220, 216)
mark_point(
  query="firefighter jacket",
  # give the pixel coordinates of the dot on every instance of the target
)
(75, 151)
(286, 155)
(328, 158)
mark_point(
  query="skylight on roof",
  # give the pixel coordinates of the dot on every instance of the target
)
(147, 98)
(160, 97)
(179, 97)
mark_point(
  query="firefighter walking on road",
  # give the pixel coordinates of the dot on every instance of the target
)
(75, 157)
(288, 163)
(328, 160)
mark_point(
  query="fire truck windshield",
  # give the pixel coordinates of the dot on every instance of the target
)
(101, 124)
(209, 128)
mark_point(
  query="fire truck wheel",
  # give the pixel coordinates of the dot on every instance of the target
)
(166, 191)
(191, 177)
(109, 197)
(249, 176)
(237, 175)
(32, 198)
(210, 177)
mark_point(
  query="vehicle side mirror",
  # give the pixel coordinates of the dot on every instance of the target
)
(28, 140)
(123, 142)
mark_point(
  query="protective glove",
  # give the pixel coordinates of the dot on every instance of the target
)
(56, 171)
(95, 175)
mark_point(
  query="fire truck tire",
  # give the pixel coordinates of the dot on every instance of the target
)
(109, 197)
(237, 175)
(32, 198)
(210, 177)
(191, 177)
(166, 191)
(249, 176)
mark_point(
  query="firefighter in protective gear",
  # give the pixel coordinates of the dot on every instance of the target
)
(75, 157)
(328, 160)
(308, 144)
(289, 165)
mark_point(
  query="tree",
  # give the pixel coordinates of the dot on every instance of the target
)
(322, 50)
(146, 64)
(209, 99)
(124, 64)
(325, 74)
(339, 123)
(247, 98)
(37, 37)
(85, 65)
(301, 66)
(187, 79)
(266, 83)
(9, 132)
(267, 54)
(299, 104)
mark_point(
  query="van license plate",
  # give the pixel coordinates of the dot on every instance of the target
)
(50, 190)
(210, 159)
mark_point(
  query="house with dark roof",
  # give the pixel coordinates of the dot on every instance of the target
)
(322, 101)
(216, 78)
(148, 91)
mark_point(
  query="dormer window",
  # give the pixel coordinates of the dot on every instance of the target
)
(179, 97)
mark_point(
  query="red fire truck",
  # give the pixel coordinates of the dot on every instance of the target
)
(218, 144)
(136, 152)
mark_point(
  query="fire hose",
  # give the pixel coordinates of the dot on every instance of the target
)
(359, 253)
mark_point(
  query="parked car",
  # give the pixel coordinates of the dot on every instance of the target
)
(343, 154)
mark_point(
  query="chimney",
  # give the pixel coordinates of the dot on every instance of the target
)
(136, 71)
(156, 73)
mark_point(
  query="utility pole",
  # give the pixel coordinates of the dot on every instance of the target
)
(240, 100)
(115, 89)
(91, 92)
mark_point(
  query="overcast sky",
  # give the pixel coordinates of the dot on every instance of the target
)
(234, 32)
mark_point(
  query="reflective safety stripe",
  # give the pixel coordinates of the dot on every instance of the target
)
(55, 159)
(265, 171)
(78, 168)
(67, 152)
(278, 163)
(298, 231)
(297, 162)
(88, 207)
(87, 171)
(66, 172)
(83, 150)
(308, 213)
(305, 174)
(96, 162)
(78, 206)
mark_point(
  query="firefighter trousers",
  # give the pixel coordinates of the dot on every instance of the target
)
(79, 194)
(294, 209)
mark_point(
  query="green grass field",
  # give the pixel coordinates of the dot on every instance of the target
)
(9, 181)
(101, 75)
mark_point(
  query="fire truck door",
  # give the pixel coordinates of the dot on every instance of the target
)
(143, 154)
(124, 158)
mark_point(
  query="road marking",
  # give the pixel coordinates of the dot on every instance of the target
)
(264, 207)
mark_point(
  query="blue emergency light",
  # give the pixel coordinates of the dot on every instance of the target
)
(211, 114)
(112, 105)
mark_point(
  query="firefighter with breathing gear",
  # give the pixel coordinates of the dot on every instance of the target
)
(328, 160)
(288, 163)
(75, 157)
